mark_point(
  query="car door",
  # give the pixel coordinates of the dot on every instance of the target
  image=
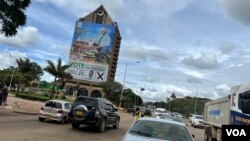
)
(108, 109)
(47, 109)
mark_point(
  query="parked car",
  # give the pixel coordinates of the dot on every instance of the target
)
(197, 121)
(56, 110)
(96, 112)
(152, 129)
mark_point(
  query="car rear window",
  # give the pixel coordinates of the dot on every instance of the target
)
(89, 102)
(53, 104)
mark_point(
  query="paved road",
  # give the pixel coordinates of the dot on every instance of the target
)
(27, 128)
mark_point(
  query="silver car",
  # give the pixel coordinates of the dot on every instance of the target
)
(56, 110)
(153, 129)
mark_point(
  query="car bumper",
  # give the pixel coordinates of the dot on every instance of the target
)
(49, 117)
(91, 122)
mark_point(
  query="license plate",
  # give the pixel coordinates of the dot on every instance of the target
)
(79, 113)
(48, 117)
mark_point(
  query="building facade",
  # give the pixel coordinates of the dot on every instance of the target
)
(94, 53)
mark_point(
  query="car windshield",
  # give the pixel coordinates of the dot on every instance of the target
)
(89, 102)
(160, 130)
(199, 117)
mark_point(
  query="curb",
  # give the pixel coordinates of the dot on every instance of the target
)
(25, 113)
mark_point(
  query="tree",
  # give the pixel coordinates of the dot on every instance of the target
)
(27, 71)
(58, 71)
(12, 15)
(112, 91)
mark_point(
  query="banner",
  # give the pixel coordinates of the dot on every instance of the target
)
(91, 50)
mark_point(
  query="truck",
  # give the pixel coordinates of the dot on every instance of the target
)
(233, 109)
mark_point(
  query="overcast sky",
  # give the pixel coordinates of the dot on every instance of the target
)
(180, 44)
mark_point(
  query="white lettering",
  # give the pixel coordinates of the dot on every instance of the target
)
(242, 132)
(229, 132)
(236, 132)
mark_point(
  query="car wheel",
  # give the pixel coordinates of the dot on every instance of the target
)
(41, 119)
(75, 125)
(116, 125)
(63, 120)
(102, 126)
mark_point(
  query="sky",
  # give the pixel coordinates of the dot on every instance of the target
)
(182, 45)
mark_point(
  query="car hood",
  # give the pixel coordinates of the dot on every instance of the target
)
(130, 137)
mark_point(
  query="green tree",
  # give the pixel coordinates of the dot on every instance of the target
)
(27, 71)
(58, 71)
(112, 91)
(12, 15)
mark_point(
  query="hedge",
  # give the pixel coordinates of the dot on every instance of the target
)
(33, 97)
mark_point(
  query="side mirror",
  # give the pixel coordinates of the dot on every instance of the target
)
(115, 109)
(193, 135)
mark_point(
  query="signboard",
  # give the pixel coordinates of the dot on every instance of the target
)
(90, 52)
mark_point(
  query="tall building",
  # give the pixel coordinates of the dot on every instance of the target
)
(94, 53)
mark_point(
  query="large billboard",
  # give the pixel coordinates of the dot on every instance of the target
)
(90, 51)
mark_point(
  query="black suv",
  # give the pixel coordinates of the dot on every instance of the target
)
(97, 112)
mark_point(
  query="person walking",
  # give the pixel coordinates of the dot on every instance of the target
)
(5, 95)
(1, 98)
(137, 113)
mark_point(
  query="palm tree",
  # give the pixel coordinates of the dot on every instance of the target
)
(58, 71)
(24, 66)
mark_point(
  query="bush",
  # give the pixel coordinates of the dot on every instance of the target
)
(33, 97)
(46, 95)
(63, 96)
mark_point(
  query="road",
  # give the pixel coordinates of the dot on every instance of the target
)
(27, 128)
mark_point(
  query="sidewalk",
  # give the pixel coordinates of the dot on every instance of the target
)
(19, 105)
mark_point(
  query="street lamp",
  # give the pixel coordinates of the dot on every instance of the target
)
(11, 78)
(124, 80)
(196, 100)
(12, 74)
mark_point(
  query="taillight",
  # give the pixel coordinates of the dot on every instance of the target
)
(60, 111)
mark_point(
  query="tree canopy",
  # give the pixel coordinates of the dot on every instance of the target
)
(12, 15)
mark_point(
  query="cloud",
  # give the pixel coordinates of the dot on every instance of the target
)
(238, 10)
(205, 61)
(194, 73)
(8, 58)
(142, 53)
(222, 90)
(194, 80)
(25, 37)
(227, 47)
(76, 6)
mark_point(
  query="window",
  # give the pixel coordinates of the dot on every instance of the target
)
(244, 102)
(53, 104)
(67, 106)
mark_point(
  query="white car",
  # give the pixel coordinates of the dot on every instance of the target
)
(160, 115)
(197, 121)
(56, 110)
(153, 129)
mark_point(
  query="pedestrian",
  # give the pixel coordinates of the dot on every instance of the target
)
(137, 114)
(1, 98)
(5, 95)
